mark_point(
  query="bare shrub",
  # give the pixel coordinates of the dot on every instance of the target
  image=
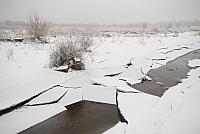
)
(3, 36)
(84, 42)
(141, 39)
(70, 53)
(37, 28)
(10, 54)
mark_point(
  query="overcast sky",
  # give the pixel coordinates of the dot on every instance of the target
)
(101, 11)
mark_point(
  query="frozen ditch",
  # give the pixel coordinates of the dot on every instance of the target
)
(167, 76)
(94, 117)
(97, 84)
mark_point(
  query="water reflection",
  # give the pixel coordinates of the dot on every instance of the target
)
(84, 117)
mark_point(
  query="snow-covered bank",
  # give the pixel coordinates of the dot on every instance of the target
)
(177, 111)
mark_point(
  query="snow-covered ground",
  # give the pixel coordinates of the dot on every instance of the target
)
(24, 73)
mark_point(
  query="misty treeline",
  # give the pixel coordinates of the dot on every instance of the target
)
(11, 23)
(37, 28)
(20, 27)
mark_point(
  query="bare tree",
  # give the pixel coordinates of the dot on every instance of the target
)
(37, 27)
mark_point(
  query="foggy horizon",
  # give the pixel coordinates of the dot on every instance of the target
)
(101, 12)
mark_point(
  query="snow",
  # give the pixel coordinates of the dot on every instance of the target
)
(115, 83)
(27, 74)
(99, 94)
(177, 111)
(184, 102)
(120, 128)
(194, 63)
(25, 117)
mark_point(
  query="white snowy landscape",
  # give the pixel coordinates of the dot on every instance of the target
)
(99, 66)
(25, 73)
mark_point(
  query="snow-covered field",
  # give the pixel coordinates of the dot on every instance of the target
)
(24, 73)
